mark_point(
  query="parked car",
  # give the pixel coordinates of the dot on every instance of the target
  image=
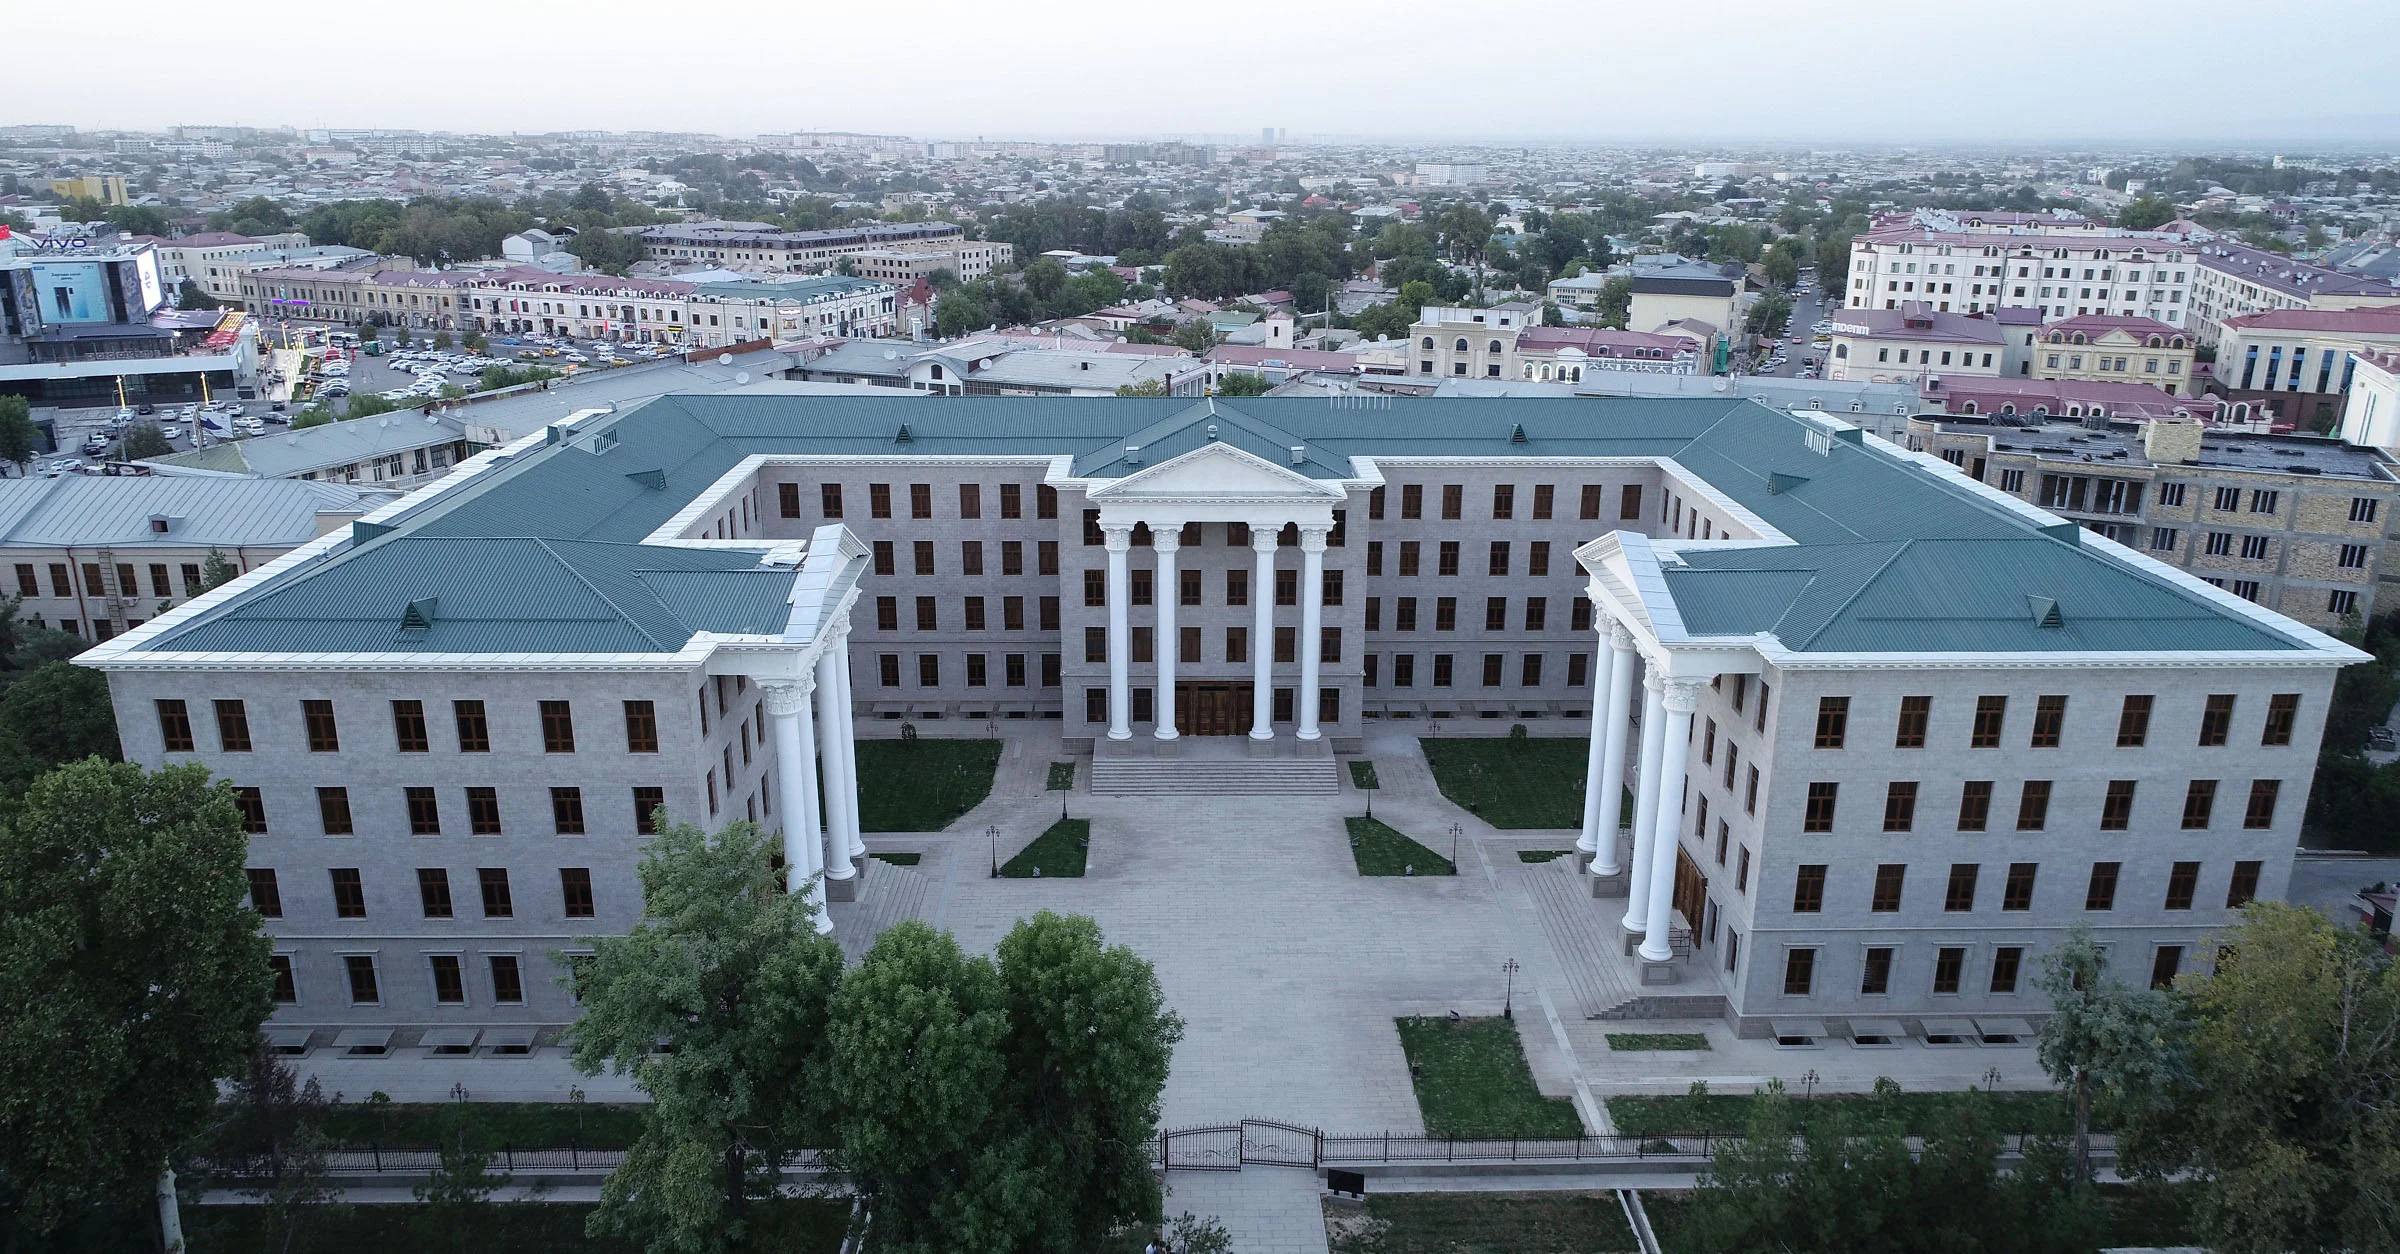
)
(2382, 737)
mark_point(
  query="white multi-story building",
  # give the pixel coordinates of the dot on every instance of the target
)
(2235, 280)
(1976, 265)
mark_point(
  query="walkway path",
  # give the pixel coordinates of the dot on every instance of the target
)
(1266, 1210)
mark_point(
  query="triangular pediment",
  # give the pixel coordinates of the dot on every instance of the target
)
(1217, 472)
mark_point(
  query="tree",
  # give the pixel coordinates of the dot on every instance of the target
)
(144, 439)
(132, 978)
(1147, 387)
(400, 335)
(2146, 212)
(611, 252)
(441, 339)
(58, 714)
(367, 331)
(1552, 315)
(960, 313)
(1770, 315)
(217, 570)
(1782, 262)
(2104, 1038)
(191, 295)
(1244, 383)
(2287, 1115)
(20, 440)
(1195, 335)
(271, 1142)
(456, 1196)
(728, 971)
(1615, 304)
(1002, 1104)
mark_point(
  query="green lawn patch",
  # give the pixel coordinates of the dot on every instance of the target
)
(899, 857)
(1381, 850)
(1542, 855)
(793, 1225)
(1636, 1042)
(1055, 853)
(1472, 1081)
(2139, 1216)
(528, 1125)
(1362, 774)
(922, 785)
(2047, 1113)
(1062, 777)
(1480, 1223)
(1512, 783)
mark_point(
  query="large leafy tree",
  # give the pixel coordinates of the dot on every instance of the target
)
(20, 440)
(2103, 1038)
(132, 978)
(1001, 1105)
(2289, 1114)
(58, 714)
(727, 971)
(270, 1137)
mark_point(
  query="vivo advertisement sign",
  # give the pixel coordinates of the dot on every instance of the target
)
(71, 291)
(154, 292)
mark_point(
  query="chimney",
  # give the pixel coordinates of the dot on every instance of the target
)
(2172, 441)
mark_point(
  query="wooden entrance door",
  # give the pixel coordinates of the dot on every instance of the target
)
(1691, 891)
(1212, 709)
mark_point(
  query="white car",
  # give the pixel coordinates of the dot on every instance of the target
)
(172, 432)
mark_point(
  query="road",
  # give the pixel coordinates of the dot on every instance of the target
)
(1806, 310)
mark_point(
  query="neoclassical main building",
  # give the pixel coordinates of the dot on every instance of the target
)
(1886, 731)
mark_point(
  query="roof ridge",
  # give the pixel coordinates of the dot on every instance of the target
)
(1859, 589)
(544, 544)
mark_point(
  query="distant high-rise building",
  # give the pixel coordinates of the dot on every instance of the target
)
(1266, 134)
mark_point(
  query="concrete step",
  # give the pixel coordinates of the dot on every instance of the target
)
(1265, 776)
(1667, 1006)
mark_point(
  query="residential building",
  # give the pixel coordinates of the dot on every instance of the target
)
(1247, 583)
(210, 257)
(1913, 343)
(2293, 523)
(108, 189)
(1467, 343)
(2233, 280)
(526, 299)
(1450, 174)
(94, 555)
(1979, 263)
(2295, 364)
(2371, 411)
(1685, 294)
(2112, 348)
(761, 246)
(967, 259)
(400, 449)
(790, 309)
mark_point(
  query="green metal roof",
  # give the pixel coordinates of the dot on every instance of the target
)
(544, 555)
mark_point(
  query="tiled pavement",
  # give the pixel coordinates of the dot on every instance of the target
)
(1266, 1210)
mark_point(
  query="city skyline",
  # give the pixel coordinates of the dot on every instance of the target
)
(1344, 72)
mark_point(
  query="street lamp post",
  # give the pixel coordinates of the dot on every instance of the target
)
(1454, 834)
(1508, 999)
(993, 833)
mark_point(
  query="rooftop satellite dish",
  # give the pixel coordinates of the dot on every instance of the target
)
(724, 359)
(891, 354)
(741, 376)
(1724, 385)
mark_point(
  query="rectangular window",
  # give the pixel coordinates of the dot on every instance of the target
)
(2116, 810)
(922, 552)
(1629, 501)
(575, 891)
(1875, 978)
(1531, 676)
(646, 804)
(1915, 713)
(1454, 498)
(1990, 713)
(483, 811)
(1237, 644)
(2049, 722)
(2101, 893)
(2033, 805)
(2243, 888)
(566, 810)
(1537, 558)
(1445, 614)
(970, 557)
(558, 727)
(424, 812)
(361, 970)
(2164, 965)
(497, 903)
(2007, 960)
(829, 499)
(970, 500)
(1819, 814)
(1504, 501)
(1412, 500)
(450, 987)
(1495, 614)
(879, 500)
(2133, 722)
(1799, 972)
(1900, 806)
(409, 733)
(2216, 720)
(1974, 805)
(885, 564)
(1948, 962)
(508, 983)
(641, 727)
(1449, 559)
(174, 726)
(1808, 891)
(787, 500)
(1409, 559)
(2260, 813)
(265, 896)
(349, 896)
(1833, 721)
(929, 670)
(433, 892)
(474, 734)
(1890, 879)
(2283, 711)
(2017, 893)
(920, 500)
(323, 736)
(1960, 896)
(2183, 880)
(333, 809)
(233, 726)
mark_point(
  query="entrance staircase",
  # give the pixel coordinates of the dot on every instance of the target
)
(1145, 776)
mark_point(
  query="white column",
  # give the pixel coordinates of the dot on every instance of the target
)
(1682, 698)
(1120, 643)
(1312, 618)
(1611, 775)
(1645, 802)
(1262, 633)
(1165, 540)
(847, 726)
(837, 784)
(796, 788)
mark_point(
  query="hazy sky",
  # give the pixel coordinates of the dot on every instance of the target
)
(1600, 70)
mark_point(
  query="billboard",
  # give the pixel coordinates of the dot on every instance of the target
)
(152, 289)
(71, 291)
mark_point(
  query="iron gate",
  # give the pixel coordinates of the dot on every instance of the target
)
(1273, 1144)
(1217, 1148)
